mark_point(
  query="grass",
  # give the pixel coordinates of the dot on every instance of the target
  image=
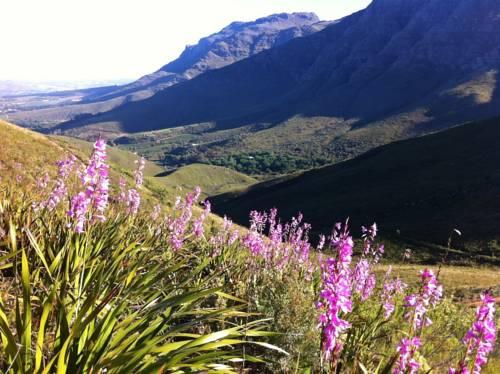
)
(463, 282)
(212, 179)
(118, 157)
(27, 153)
(19, 146)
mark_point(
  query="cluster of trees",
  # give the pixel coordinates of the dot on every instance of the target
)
(266, 163)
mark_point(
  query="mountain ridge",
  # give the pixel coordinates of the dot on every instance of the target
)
(395, 70)
(233, 43)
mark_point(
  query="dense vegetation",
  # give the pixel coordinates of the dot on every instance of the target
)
(93, 278)
(267, 163)
(263, 151)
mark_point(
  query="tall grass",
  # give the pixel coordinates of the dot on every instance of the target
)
(115, 298)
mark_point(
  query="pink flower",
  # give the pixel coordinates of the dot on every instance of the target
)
(284, 245)
(177, 225)
(95, 179)
(321, 244)
(225, 238)
(364, 279)
(254, 241)
(59, 192)
(155, 214)
(418, 304)
(122, 196)
(481, 337)
(198, 224)
(66, 166)
(43, 182)
(133, 201)
(369, 233)
(139, 173)
(391, 288)
(78, 211)
(335, 296)
(406, 362)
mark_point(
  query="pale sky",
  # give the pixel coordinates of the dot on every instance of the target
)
(77, 40)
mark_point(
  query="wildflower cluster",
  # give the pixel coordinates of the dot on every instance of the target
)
(343, 279)
(335, 296)
(364, 279)
(179, 222)
(132, 197)
(391, 288)
(480, 338)
(285, 244)
(418, 304)
(60, 190)
(91, 203)
(406, 362)
(225, 238)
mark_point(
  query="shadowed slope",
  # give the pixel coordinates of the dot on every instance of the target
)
(421, 188)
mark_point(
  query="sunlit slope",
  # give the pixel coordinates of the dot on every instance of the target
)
(116, 156)
(20, 148)
(36, 154)
(212, 179)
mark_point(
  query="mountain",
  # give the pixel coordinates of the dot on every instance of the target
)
(398, 69)
(211, 179)
(418, 189)
(235, 42)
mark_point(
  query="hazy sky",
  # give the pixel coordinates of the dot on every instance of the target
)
(123, 39)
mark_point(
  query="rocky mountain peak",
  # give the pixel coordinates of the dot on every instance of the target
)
(240, 40)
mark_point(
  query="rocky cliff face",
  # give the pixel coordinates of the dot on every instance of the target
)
(240, 40)
(437, 57)
(417, 49)
(235, 42)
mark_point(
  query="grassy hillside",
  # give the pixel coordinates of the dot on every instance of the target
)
(212, 179)
(420, 189)
(116, 156)
(25, 150)
(33, 154)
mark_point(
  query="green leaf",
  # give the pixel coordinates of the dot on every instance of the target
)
(47, 307)
(38, 251)
(26, 337)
